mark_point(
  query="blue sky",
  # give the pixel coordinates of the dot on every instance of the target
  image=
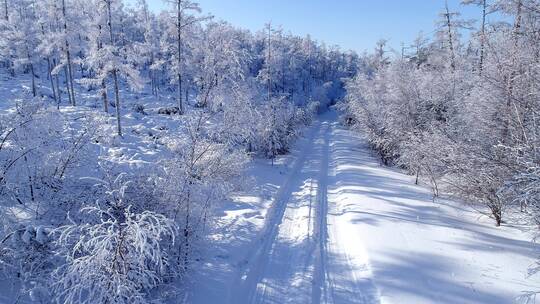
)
(351, 24)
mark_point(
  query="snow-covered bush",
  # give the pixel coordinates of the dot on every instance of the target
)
(113, 255)
(277, 128)
(41, 150)
(261, 127)
(240, 117)
(200, 174)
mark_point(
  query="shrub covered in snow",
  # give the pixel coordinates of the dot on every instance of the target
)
(113, 255)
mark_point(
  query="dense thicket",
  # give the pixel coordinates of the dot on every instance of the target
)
(462, 113)
(82, 219)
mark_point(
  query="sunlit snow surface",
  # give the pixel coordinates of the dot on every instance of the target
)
(329, 224)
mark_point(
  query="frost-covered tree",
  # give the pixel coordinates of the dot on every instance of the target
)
(223, 62)
(201, 173)
(107, 58)
(118, 255)
(146, 47)
(470, 125)
(19, 39)
(59, 33)
(181, 18)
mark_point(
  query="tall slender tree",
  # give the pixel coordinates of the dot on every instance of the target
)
(67, 50)
(183, 10)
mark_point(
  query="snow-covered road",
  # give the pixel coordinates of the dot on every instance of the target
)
(340, 228)
(302, 258)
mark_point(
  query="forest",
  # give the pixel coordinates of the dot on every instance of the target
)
(126, 132)
(461, 113)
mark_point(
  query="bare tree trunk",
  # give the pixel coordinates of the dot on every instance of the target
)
(496, 210)
(187, 93)
(512, 74)
(68, 90)
(58, 90)
(517, 23)
(31, 65)
(117, 103)
(151, 75)
(104, 96)
(68, 57)
(482, 37)
(179, 29)
(268, 62)
(30, 180)
(103, 85)
(310, 72)
(59, 100)
(186, 232)
(9, 62)
(49, 68)
(450, 38)
(34, 91)
(6, 12)
(282, 67)
(114, 73)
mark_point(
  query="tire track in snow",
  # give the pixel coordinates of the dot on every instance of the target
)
(348, 262)
(291, 265)
(257, 261)
(342, 273)
(322, 291)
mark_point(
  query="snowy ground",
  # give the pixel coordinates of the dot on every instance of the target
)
(328, 224)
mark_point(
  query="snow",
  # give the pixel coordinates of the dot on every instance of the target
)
(329, 224)
(340, 228)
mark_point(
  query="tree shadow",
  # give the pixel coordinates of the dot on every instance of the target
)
(427, 280)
